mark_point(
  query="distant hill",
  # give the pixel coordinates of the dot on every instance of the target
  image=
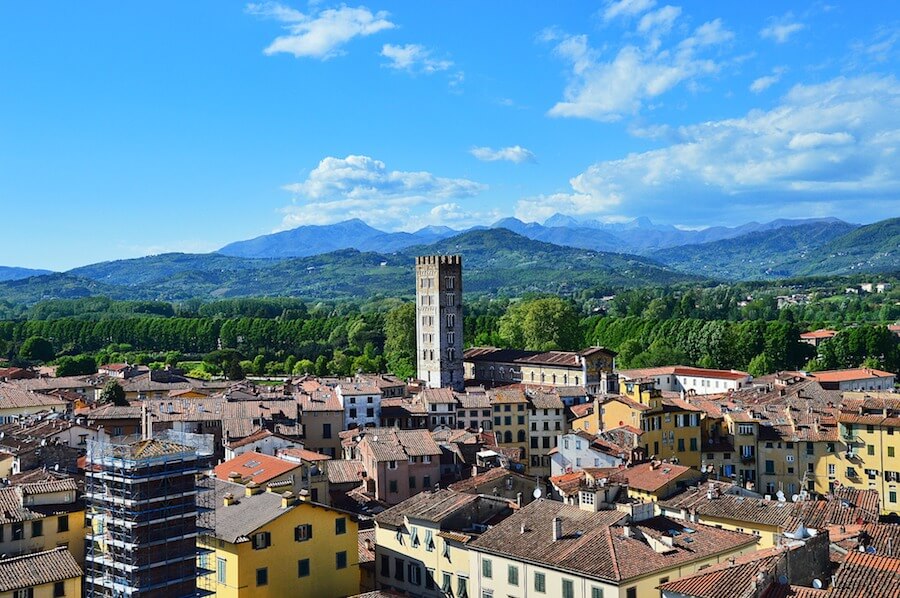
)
(639, 236)
(13, 273)
(814, 249)
(871, 248)
(755, 255)
(496, 261)
(317, 239)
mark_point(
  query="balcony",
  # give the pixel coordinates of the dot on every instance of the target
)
(748, 459)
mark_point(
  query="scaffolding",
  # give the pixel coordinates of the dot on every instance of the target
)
(148, 502)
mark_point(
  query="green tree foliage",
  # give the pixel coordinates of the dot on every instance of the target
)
(400, 340)
(36, 348)
(761, 365)
(234, 371)
(78, 365)
(543, 324)
(113, 393)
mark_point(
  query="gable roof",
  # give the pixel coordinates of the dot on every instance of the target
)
(38, 568)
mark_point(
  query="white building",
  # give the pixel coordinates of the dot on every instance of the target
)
(578, 450)
(361, 403)
(690, 380)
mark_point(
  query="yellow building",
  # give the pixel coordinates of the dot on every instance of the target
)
(48, 574)
(275, 545)
(553, 549)
(870, 428)
(618, 411)
(510, 412)
(421, 542)
(42, 516)
(672, 431)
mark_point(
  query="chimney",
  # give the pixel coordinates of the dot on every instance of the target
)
(557, 528)
(229, 499)
(474, 470)
(368, 544)
(252, 489)
(626, 531)
(519, 499)
(303, 495)
(234, 477)
(288, 499)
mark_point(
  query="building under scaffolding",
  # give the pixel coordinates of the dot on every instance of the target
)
(147, 502)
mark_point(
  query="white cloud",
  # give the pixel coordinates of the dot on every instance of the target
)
(608, 90)
(765, 82)
(626, 8)
(454, 216)
(781, 29)
(822, 147)
(321, 35)
(660, 21)
(363, 187)
(514, 153)
(413, 58)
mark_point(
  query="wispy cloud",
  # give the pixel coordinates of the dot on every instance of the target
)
(625, 8)
(513, 153)
(609, 89)
(413, 58)
(323, 34)
(780, 29)
(363, 187)
(822, 147)
(763, 83)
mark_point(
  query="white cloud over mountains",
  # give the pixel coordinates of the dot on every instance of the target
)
(609, 87)
(321, 35)
(513, 153)
(822, 145)
(363, 187)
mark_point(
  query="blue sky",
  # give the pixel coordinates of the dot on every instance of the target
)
(136, 128)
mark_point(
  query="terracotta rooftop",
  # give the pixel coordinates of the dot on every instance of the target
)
(254, 467)
(429, 506)
(820, 333)
(649, 477)
(345, 471)
(850, 375)
(869, 575)
(303, 454)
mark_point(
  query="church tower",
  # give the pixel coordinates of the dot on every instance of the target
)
(439, 324)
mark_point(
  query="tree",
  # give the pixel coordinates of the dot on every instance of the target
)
(400, 340)
(234, 371)
(761, 365)
(113, 393)
(79, 365)
(541, 325)
(36, 348)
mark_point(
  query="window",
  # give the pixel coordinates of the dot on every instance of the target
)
(447, 584)
(462, 587)
(262, 576)
(596, 592)
(303, 567)
(890, 451)
(831, 469)
(59, 589)
(398, 569)
(412, 482)
(62, 523)
(486, 569)
(770, 466)
(426, 481)
(513, 575)
(37, 529)
(892, 496)
(870, 449)
(540, 582)
(568, 588)
(18, 530)
(262, 540)
(392, 486)
(392, 465)
(385, 565)
(414, 574)
(220, 570)
(340, 525)
(681, 445)
(429, 579)
(326, 430)
(693, 445)
(631, 593)
(429, 541)
(302, 533)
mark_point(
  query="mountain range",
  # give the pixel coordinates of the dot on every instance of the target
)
(639, 236)
(509, 258)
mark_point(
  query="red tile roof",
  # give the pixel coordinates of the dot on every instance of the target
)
(820, 333)
(254, 467)
(850, 374)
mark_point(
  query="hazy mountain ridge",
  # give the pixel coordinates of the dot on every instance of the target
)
(496, 261)
(16, 273)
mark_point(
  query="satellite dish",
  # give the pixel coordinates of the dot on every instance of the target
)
(780, 496)
(871, 550)
(480, 430)
(537, 493)
(795, 498)
(782, 579)
(817, 584)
